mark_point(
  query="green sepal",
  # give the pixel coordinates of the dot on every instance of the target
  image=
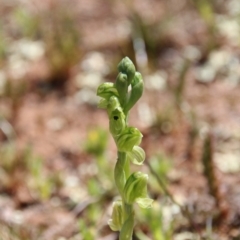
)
(112, 104)
(122, 87)
(127, 67)
(103, 103)
(135, 187)
(128, 139)
(117, 122)
(136, 156)
(116, 222)
(106, 90)
(144, 202)
(136, 92)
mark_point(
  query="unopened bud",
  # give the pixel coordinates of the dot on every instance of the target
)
(127, 67)
(136, 92)
(122, 87)
(106, 90)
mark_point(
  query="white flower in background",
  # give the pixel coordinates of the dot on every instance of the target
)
(21, 54)
(17, 67)
(229, 28)
(95, 62)
(156, 80)
(27, 49)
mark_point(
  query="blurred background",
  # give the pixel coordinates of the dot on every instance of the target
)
(56, 155)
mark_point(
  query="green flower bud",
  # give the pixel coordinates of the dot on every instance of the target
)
(112, 104)
(136, 92)
(127, 67)
(135, 189)
(136, 156)
(128, 139)
(116, 222)
(103, 103)
(117, 122)
(106, 90)
(122, 87)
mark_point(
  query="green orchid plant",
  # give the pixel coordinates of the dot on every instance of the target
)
(117, 99)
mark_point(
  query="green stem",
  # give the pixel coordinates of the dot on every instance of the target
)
(128, 210)
(121, 173)
(127, 228)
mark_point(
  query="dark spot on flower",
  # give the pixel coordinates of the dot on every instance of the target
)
(115, 117)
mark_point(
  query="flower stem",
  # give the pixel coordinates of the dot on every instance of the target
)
(121, 173)
(127, 228)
